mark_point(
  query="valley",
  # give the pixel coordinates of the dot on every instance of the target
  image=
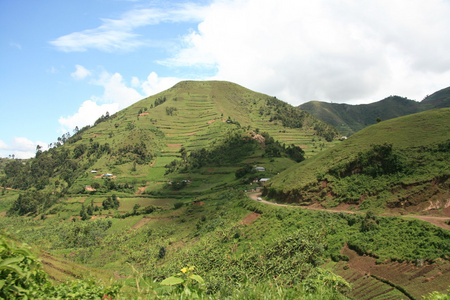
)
(160, 200)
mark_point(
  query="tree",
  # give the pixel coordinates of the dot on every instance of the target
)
(90, 209)
(38, 150)
(183, 153)
(83, 214)
(136, 208)
(243, 171)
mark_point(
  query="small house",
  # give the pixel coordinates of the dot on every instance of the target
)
(262, 180)
(259, 169)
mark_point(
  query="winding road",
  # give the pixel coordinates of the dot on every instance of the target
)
(437, 221)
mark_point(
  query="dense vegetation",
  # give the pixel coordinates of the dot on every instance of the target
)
(22, 277)
(283, 249)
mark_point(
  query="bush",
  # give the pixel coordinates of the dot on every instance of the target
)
(178, 205)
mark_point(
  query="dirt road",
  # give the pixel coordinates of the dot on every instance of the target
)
(437, 221)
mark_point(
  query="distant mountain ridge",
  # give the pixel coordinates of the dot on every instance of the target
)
(349, 119)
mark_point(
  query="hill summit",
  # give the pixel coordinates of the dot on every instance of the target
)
(156, 135)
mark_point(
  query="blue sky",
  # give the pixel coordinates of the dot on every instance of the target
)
(65, 63)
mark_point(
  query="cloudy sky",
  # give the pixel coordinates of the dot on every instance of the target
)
(65, 63)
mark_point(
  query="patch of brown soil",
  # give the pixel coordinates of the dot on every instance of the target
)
(210, 170)
(89, 188)
(174, 145)
(3, 213)
(405, 274)
(247, 220)
(362, 264)
(151, 165)
(140, 223)
(143, 114)
(99, 217)
(192, 133)
(260, 139)
(303, 146)
(140, 190)
(209, 122)
(199, 203)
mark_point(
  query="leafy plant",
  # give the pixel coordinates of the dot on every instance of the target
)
(185, 284)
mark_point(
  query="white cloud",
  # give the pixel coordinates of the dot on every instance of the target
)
(117, 95)
(87, 114)
(116, 90)
(15, 45)
(118, 34)
(21, 147)
(80, 73)
(342, 51)
(155, 84)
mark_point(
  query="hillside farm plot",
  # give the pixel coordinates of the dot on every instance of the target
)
(127, 204)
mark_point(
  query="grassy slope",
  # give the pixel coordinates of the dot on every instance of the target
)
(411, 131)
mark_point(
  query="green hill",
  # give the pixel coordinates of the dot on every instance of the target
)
(398, 163)
(349, 119)
(154, 202)
(139, 143)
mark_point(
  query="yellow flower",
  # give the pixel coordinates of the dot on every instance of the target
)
(191, 268)
(184, 270)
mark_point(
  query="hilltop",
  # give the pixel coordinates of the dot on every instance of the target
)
(167, 137)
(400, 164)
(349, 119)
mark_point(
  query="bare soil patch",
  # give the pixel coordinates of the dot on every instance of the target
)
(430, 277)
(99, 217)
(209, 122)
(90, 188)
(140, 190)
(174, 145)
(192, 133)
(143, 114)
(247, 220)
(140, 223)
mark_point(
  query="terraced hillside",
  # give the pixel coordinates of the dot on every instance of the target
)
(205, 109)
(139, 141)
